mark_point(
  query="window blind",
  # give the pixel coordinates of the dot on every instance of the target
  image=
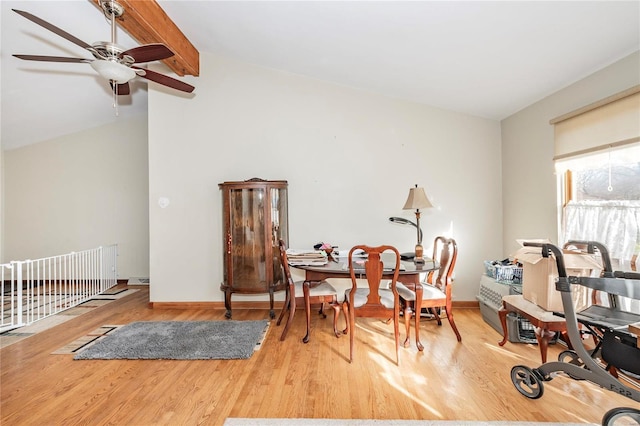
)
(611, 122)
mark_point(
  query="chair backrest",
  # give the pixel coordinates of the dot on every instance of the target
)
(284, 261)
(374, 268)
(445, 251)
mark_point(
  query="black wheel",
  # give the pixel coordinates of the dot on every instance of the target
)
(527, 382)
(570, 357)
(621, 416)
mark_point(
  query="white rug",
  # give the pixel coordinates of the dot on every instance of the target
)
(364, 422)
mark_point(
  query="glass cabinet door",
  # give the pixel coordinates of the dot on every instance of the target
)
(279, 230)
(247, 217)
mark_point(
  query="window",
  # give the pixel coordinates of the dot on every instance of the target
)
(597, 154)
(600, 201)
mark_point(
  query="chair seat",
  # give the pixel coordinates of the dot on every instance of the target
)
(429, 292)
(322, 289)
(405, 292)
(360, 298)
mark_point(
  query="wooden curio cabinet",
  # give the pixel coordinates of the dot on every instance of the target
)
(254, 219)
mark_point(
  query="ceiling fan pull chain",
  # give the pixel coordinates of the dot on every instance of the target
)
(610, 187)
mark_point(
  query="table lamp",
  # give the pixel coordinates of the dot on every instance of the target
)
(403, 221)
(417, 200)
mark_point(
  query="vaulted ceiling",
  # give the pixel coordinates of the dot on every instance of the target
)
(148, 23)
(484, 58)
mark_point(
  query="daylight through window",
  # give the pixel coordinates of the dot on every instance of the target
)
(600, 201)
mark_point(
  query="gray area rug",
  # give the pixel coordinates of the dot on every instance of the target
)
(179, 340)
(367, 422)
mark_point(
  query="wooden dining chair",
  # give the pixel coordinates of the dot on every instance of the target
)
(372, 301)
(305, 293)
(436, 290)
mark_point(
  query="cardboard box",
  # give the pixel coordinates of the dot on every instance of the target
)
(635, 329)
(540, 274)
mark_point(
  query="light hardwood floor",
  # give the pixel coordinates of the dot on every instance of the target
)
(449, 380)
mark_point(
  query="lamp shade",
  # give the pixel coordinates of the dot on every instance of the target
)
(417, 199)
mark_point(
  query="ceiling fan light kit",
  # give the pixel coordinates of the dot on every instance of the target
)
(113, 71)
(112, 62)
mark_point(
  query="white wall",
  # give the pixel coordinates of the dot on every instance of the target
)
(529, 182)
(349, 156)
(79, 192)
(1, 205)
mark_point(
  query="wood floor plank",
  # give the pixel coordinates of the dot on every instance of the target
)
(449, 380)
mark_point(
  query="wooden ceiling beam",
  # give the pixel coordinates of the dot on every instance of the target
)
(147, 23)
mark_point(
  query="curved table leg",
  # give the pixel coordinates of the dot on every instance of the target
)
(336, 316)
(502, 313)
(406, 313)
(272, 312)
(542, 336)
(227, 303)
(345, 309)
(418, 309)
(307, 310)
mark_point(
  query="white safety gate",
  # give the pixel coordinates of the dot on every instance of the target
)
(36, 289)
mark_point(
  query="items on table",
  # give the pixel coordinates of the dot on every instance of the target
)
(306, 257)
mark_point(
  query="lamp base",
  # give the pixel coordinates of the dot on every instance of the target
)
(419, 252)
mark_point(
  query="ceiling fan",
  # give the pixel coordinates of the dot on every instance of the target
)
(112, 62)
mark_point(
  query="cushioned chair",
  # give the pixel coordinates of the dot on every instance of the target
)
(372, 301)
(305, 293)
(436, 290)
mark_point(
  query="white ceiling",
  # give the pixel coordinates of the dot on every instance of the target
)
(488, 59)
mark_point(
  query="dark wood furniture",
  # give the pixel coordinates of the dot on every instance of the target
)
(254, 220)
(436, 290)
(375, 301)
(409, 273)
(545, 323)
(306, 293)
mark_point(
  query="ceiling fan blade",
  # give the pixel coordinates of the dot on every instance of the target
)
(165, 80)
(148, 53)
(120, 89)
(52, 28)
(52, 58)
